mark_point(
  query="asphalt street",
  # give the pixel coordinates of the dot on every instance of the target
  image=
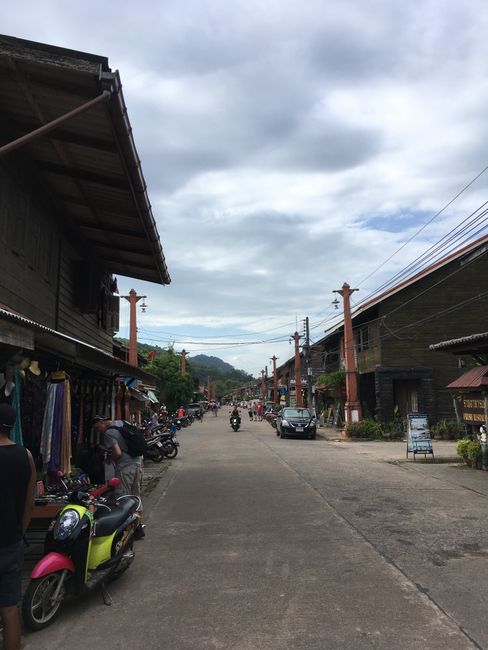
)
(257, 543)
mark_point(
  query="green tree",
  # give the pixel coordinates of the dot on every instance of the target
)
(174, 388)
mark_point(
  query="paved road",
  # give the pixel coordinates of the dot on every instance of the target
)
(257, 543)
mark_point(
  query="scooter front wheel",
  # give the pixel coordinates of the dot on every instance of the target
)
(39, 607)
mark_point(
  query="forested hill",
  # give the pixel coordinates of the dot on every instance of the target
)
(201, 366)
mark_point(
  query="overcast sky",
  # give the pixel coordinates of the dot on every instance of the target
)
(288, 146)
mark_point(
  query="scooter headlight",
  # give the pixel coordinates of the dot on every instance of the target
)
(65, 524)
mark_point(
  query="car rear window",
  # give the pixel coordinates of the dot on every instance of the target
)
(296, 413)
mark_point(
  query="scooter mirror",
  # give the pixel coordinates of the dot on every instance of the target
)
(114, 483)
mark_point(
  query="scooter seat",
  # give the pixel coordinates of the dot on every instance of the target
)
(107, 521)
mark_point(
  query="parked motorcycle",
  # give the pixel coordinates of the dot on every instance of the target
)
(154, 448)
(170, 444)
(88, 543)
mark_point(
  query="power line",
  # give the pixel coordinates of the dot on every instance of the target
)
(459, 235)
(437, 214)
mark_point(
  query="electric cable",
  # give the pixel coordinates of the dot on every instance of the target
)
(437, 214)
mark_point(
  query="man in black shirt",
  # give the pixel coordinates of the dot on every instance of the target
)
(17, 481)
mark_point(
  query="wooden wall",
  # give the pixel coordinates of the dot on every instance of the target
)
(37, 262)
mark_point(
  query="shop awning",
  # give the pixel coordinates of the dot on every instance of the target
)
(136, 394)
(21, 332)
(474, 378)
(88, 164)
(152, 397)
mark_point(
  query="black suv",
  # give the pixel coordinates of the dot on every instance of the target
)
(296, 421)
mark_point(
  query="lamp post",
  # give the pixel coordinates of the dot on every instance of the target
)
(133, 299)
(352, 410)
(298, 371)
(183, 361)
(276, 398)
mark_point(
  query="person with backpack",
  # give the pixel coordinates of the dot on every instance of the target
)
(125, 444)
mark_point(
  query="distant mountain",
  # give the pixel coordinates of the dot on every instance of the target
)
(203, 365)
(212, 362)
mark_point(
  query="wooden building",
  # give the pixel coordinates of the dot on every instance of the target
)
(470, 390)
(74, 211)
(398, 373)
(73, 203)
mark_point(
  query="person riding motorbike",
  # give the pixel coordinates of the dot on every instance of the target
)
(235, 414)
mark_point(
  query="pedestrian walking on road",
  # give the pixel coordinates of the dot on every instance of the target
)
(249, 410)
(17, 482)
(255, 411)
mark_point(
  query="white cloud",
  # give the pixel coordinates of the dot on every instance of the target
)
(287, 146)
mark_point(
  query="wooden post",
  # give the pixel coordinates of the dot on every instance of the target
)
(276, 397)
(352, 411)
(133, 299)
(298, 371)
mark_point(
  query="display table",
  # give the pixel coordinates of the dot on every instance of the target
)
(46, 510)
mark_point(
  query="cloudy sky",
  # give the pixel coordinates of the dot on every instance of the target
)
(288, 146)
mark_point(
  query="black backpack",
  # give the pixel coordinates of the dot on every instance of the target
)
(134, 439)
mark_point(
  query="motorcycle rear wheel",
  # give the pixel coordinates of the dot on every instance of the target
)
(156, 456)
(38, 610)
(170, 450)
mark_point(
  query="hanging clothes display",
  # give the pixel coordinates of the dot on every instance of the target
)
(47, 424)
(16, 396)
(33, 404)
(56, 433)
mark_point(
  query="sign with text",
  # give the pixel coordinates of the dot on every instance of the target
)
(473, 407)
(419, 440)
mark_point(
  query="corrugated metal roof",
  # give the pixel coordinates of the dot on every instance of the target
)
(474, 378)
(90, 163)
(464, 341)
(110, 363)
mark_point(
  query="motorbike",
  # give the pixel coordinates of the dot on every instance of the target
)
(235, 422)
(170, 444)
(154, 448)
(89, 543)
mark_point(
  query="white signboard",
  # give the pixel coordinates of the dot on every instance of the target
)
(419, 440)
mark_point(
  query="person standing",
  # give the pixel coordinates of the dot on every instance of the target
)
(255, 411)
(249, 410)
(128, 469)
(17, 482)
(260, 411)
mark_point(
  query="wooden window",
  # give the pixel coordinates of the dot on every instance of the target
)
(362, 339)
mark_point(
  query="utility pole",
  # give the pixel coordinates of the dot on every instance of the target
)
(276, 398)
(298, 371)
(352, 411)
(133, 299)
(263, 390)
(306, 347)
(208, 389)
(183, 361)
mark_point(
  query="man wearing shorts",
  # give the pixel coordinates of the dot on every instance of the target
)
(127, 468)
(17, 482)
